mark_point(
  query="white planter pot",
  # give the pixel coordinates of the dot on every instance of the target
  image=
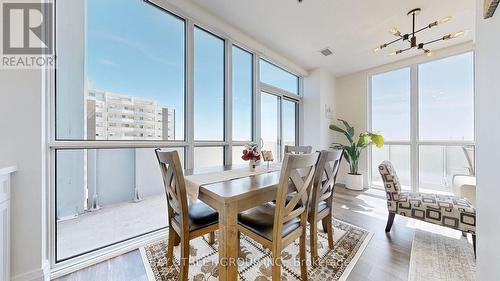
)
(354, 182)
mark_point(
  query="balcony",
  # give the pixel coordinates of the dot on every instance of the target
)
(439, 165)
(99, 194)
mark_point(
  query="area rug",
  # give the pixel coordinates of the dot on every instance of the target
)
(255, 261)
(437, 257)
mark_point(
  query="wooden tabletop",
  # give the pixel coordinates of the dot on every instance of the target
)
(241, 188)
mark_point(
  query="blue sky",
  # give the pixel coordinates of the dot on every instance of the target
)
(136, 51)
(139, 50)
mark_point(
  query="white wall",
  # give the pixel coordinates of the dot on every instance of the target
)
(488, 154)
(22, 143)
(319, 92)
(352, 99)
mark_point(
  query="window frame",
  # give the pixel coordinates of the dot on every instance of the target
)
(415, 143)
(60, 268)
(283, 69)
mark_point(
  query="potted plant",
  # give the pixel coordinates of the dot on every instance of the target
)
(251, 153)
(352, 151)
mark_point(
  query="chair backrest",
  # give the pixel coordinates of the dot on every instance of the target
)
(391, 183)
(325, 177)
(298, 149)
(471, 158)
(297, 172)
(175, 187)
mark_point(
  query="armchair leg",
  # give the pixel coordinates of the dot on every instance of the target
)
(390, 221)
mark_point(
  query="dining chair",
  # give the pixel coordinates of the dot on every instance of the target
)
(186, 221)
(276, 226)
(321, 201)
(298, 149)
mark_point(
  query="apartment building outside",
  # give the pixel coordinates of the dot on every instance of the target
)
(113, 116)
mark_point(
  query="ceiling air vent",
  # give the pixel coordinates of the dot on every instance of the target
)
(326, 52)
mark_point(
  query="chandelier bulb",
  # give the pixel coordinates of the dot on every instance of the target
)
(445, 19)
(394, 31)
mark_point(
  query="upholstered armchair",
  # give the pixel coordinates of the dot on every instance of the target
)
(449, 211)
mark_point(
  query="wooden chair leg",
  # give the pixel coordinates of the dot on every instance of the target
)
(330, 231)
(184, 260)
(177, 239)
(239, 243)
(302, 254)
(313, 239)
(172, 236)
(474, 244)
(324, 222)
(211, 238)
(276, 266)
(390, 221)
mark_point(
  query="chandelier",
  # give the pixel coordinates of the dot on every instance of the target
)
(411, 37)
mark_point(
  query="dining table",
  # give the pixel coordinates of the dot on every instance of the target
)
(230, 197)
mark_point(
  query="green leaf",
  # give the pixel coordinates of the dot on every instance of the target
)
(349, 132)
(346, 156)
(349, 128)
(337, 129)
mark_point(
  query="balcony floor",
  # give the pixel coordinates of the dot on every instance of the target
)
(109, 225)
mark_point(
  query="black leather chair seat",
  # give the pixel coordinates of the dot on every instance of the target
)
(261, 221)
(200, 215)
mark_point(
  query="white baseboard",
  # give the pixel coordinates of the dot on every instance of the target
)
(41, 274)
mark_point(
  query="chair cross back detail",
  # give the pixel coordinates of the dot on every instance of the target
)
(325, 177)
(292, 181)
(298, 149)
(175, 186)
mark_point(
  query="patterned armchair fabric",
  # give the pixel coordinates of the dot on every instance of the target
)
(391, 184)
(450, 211)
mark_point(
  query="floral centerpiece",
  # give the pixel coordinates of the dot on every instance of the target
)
(251, 153)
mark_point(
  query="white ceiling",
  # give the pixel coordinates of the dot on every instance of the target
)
(351, 28)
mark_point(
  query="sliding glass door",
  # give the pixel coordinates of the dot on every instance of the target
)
(426, 114)
(279, 123)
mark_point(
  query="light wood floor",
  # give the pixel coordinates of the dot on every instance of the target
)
(387, 256)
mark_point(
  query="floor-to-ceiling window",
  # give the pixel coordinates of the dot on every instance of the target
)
(125, 87)
(130, 89)
(426, 114)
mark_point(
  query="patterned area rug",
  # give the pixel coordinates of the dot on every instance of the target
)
(436, 257)
(255, 262)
